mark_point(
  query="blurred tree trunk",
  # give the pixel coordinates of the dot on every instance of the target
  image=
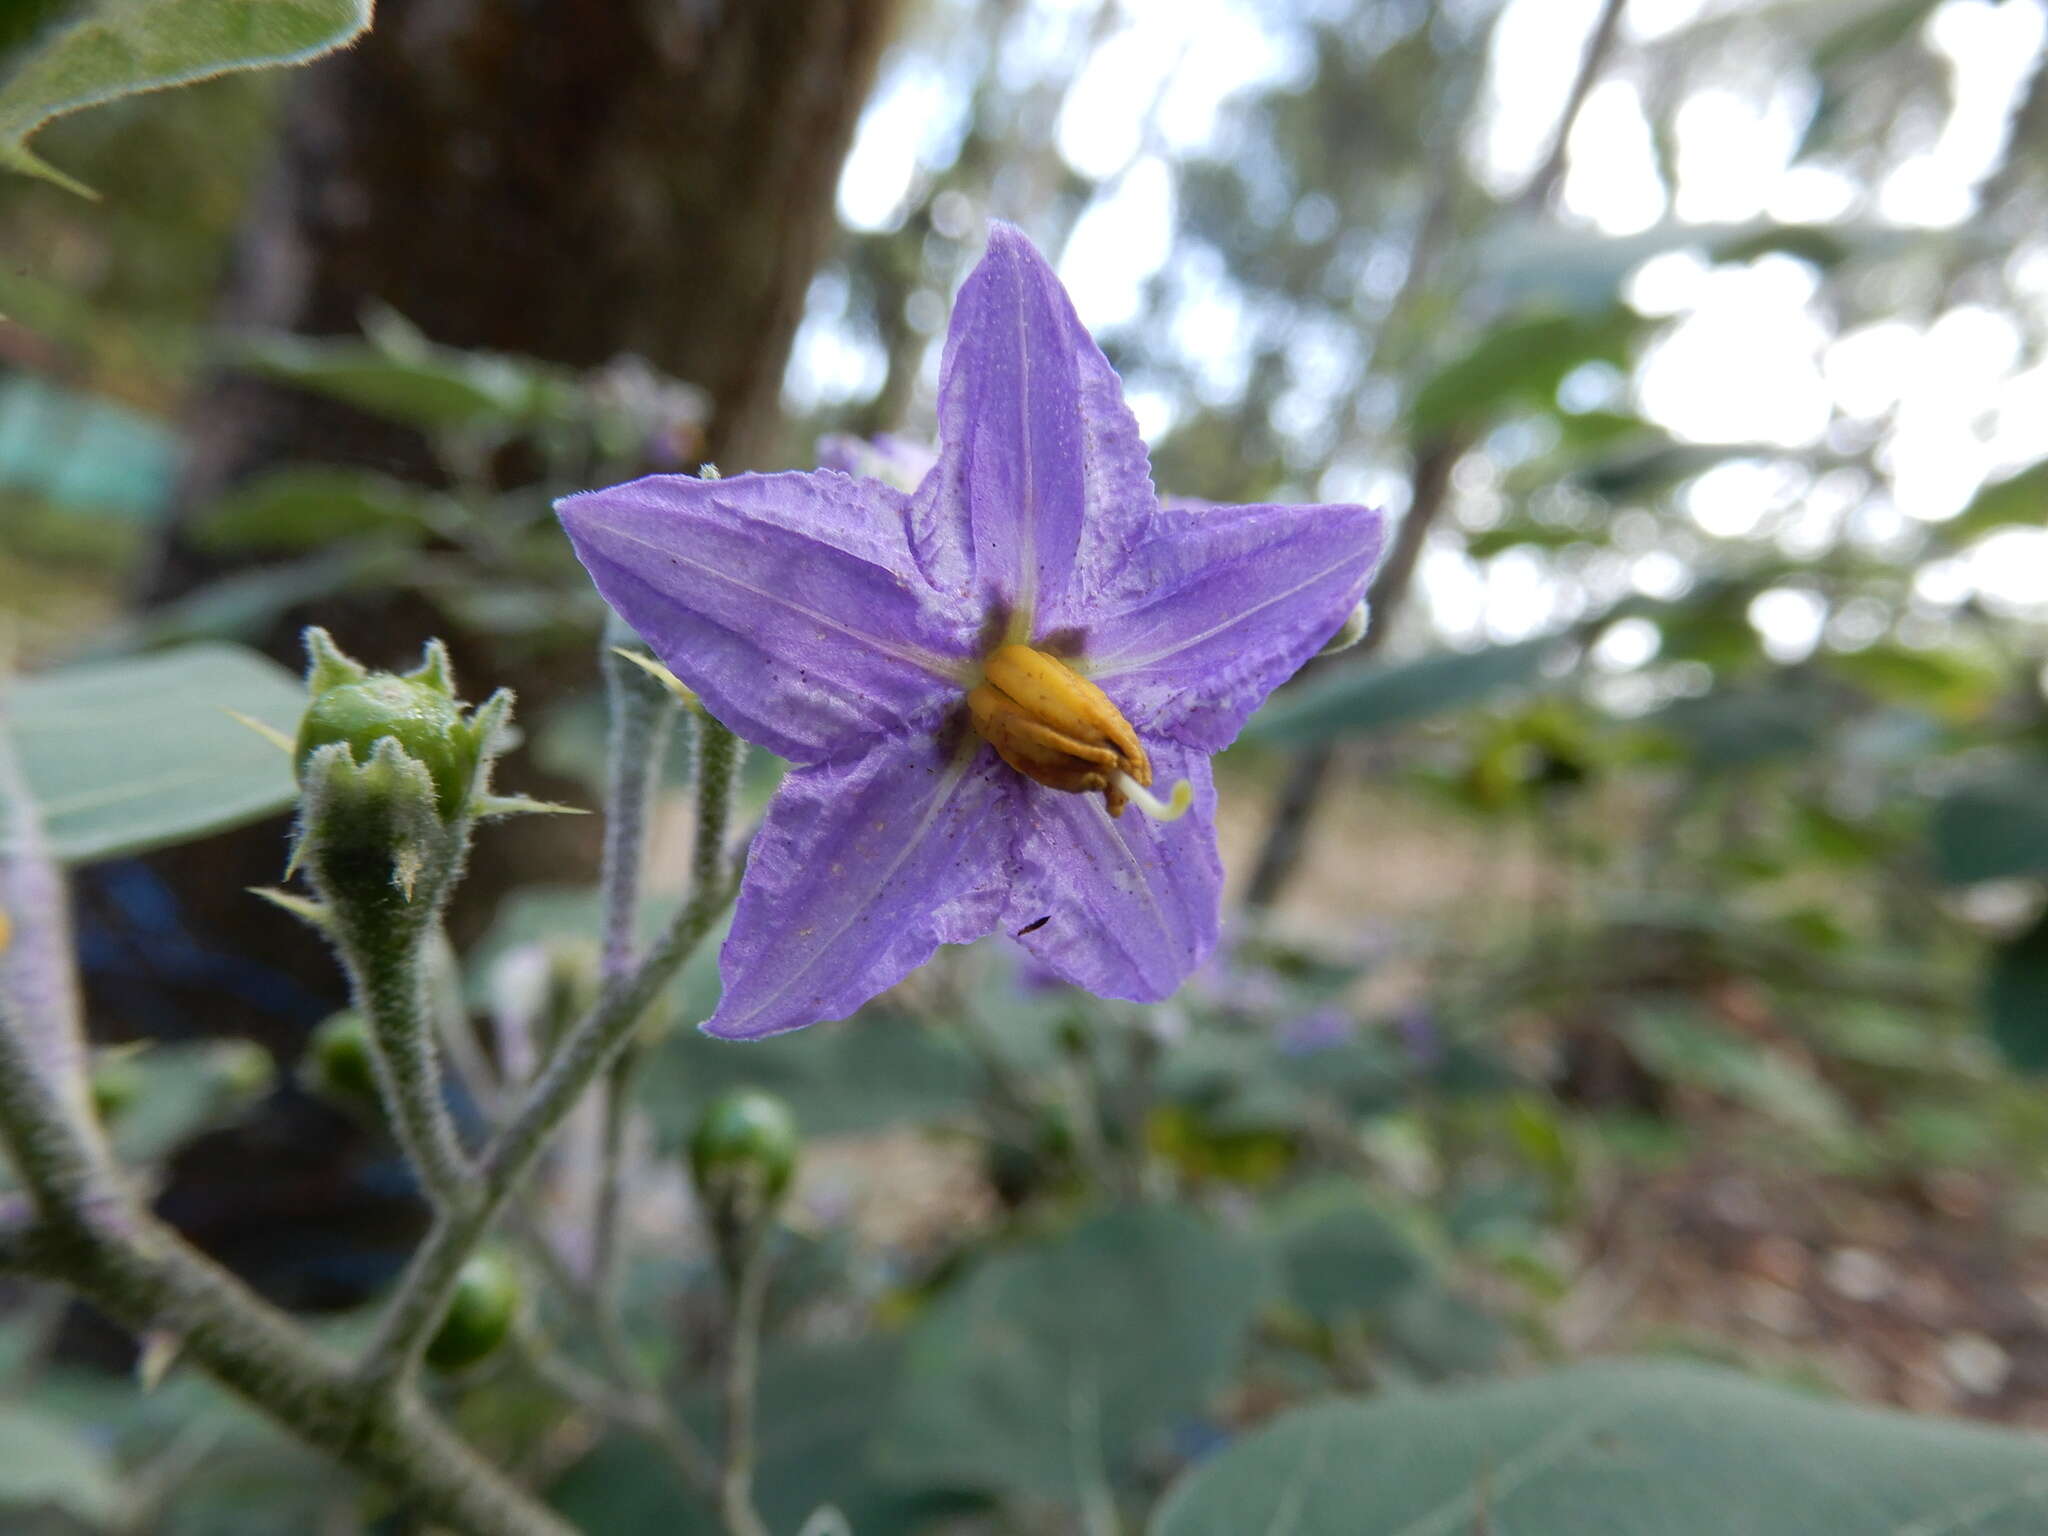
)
(571, 179)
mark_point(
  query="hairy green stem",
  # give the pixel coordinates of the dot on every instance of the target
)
(145, 1275)
(642, 712)
(748, 1299)
(429, 1281)
(90, 1235)
(45, 1099)
(389, 974)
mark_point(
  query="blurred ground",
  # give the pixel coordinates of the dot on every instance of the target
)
(1925, 1289)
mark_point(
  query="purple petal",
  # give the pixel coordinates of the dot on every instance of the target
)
(1225, 605)
(1042, 486)
(1129, 904)
(789, 602)
(862, 868)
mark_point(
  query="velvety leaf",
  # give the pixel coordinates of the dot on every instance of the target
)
(2016, 998)
(1378, 698)
(128, 755)
(1994, 827)
(1340, 1254)
(187, 1087)
(1436, 1332)
(48, 1462)
(119, 47)
(250, 600)
(877, 1070)
(1052, 1364)
(408, 379)
(305, 506)
(1624, 1449)
(817, 1418)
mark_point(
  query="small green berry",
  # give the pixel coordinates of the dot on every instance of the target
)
(117, 1082)
(746, 1142)
(486, 1304)
(337, 1064)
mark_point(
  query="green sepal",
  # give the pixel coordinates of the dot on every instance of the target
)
(304, 908)
(329, 666)
(484, 807)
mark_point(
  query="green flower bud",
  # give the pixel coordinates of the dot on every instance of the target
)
(418, 710)
(117, 1082)
(337, 1066)
(1349, 633)
(743, 1156)
(247, 1070)
(746, 1134)
(480, 1318)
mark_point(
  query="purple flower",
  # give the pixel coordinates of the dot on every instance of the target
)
(1320, 1029)
(974, 679)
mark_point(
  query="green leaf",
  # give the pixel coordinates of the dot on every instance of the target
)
(2018, 501)
(1051, 1365)
(306, 506)
(125, 756)
(816, 1421)
(1356, 698)
(47, 1462)
(401, 376)
(1741, 727)
(120, 47)
(1649, 469)
(1950, 682)
(2016, 998)
(1625, 1449)
(1686, 1048)
(186, 1088)
(879, 1070)
(1994, 827)
(1529, 262)
(1519, 363)
(1341, 1254)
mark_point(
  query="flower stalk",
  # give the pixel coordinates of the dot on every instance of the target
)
(392, 774)
(748, 1299)
(642, 717)
(423, 1292)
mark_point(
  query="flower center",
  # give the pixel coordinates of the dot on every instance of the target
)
(1054, 726)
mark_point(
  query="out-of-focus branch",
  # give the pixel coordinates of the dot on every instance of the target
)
(1537, 194)
(749, 1294)
(1303, 787)
(643, 713)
